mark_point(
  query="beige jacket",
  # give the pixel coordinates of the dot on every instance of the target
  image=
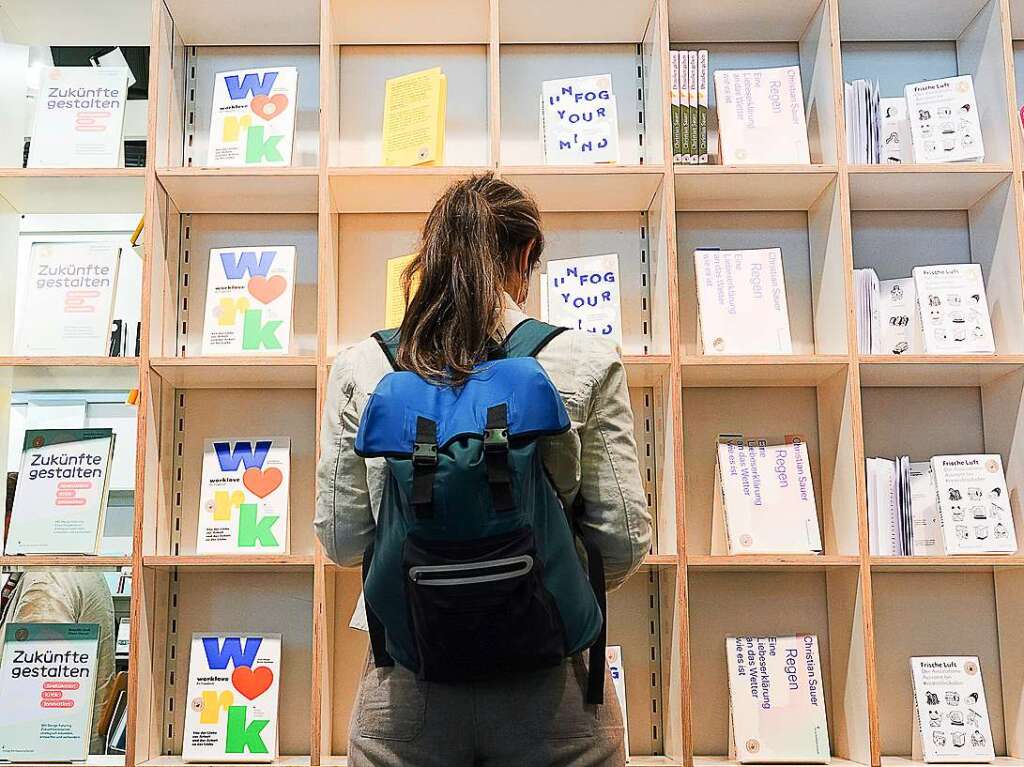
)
(596, 457)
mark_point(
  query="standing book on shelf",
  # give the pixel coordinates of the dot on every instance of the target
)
(618, 674)
(252, 122)
(691, 76)
(702, 107)
(47, 685)
(777, 698)
(944, 120)
(415, 107)
(233, 684)
(583, 294)
(954, 310)
(761, 116)
(951, 713)
(974, 505)
(684, 105)
(249, 300)
(741, 300)
(394, 301)
(924, 511)
(677, 105)
(67, 299)
(243, 501)
(897, 143)
(579, 121)
(61, 498)
(900, 325)
(79, 120)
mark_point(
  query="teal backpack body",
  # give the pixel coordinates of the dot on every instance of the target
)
(474, 569)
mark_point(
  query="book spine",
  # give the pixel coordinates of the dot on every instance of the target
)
(677, 143)
(692, 69)
(684, 107)
(702, 107)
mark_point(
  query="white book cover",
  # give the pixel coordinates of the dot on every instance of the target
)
(583, 294)
(761, 116)
(79, 120)
(951, 710)
(954, 310)
(243, 500)
(741, 299)
(883, 507)
(924, 510)
(67, 299)
(579, 121)
(777, 696)
(684, 106)
(249, 300)
(47, 685)
(617, 672)
(61, 496)
(866, 289)
(974, 504)
(691, 81)
(233, 685)
(899, 323)
(944, 120)
(702, 107)
(677, 105)
(768, 499)
(252, 122)
(897, 144)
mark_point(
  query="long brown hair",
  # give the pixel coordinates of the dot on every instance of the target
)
(471, 244)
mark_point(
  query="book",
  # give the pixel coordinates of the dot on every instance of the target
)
(61, 498)
(677, 105)
(579, 121)
(897, 144)
(944, 121)
(900, 326)
(684, 105)
(974, 505)
(777, 699)
(67, 299)
(415, 106)
(583, 294)
(926, 539)
(117, 734)
(123, 638)
(243, 499)
(613, 654)
(952, 722)
(252, 122)
(233, 684)
(47, 686)
(741, 302)
(885, 507)
(394, 301)
(867, 297)
(79, 120)
(761, 116)
(249, 300)
(702, 107)
(765, 497)
(691, 76)
(954, 310)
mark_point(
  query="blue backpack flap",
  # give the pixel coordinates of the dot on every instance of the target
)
(473, 570)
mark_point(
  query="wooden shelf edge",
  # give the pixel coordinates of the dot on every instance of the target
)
(72, 173)
(742, 562)
(64, 560)
(746, 170)
(228, 562)
(91, 362)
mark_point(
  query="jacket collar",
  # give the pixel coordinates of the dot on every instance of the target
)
(512, 314)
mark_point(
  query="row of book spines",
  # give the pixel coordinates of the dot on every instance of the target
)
(689, 112)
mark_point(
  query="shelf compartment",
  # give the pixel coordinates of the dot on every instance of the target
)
(30, 22)
(39, 190)
(391, 190)
(355, 23)
(910, 20)
(732, 21)
(913, 187)
(593, 188)
(68, 373)
(780, 370)
(751, 187)
(827, 603)
(934, 370)
(265, 23)
(237, 372)
(574, 21)
(241, 190)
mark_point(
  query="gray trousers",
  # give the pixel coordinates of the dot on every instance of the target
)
(535, 719)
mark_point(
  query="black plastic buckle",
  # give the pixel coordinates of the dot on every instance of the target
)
(495, 440)
(424, 453)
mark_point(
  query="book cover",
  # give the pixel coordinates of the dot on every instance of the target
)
(741, 300)
(897, 142)
(684, 105)
(691, 63)
(61, 497)
(974, 505)
(883, 507)
(252, 122)
(944, 121)
(768, 499)
(900, 327)
(243, 500)
(413, 130)
(778, 699)
(79, 121)
(677, 138)
(951, 710)
(580, 121)
(953, 309)
(761, 116)
(67, 299)
(617, 672)
(249, 300)
(927, 526)
(233, 684)
(394, 301)
(583, 294)
(702, 107)
(47, 684)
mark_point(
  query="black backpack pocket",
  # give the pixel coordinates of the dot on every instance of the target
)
(479, 607)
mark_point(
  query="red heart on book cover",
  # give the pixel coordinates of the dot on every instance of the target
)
(252, 682)
(262, 483)
(269, 107)
(265, 289)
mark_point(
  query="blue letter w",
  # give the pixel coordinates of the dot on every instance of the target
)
(243, 453)
(218, 657)
(235, 268)
(251, 83)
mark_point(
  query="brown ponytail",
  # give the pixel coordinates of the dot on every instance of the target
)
(471, 244)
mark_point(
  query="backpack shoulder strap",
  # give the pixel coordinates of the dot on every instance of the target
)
(530, 336)
(388, 340)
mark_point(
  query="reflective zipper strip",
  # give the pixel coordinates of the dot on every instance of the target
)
(416, 574)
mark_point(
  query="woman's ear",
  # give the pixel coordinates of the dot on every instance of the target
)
(524, 259)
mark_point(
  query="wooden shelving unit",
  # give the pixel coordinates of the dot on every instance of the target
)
(346, 215)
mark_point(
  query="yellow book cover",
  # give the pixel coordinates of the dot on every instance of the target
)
(394, 306)
(414, 117)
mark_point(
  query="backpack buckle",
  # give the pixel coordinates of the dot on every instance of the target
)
(495, 439)
(424, 453)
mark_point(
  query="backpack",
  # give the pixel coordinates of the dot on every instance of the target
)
(474, 569)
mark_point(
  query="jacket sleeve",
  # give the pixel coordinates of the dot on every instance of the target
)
(615, 515)
(344, 520)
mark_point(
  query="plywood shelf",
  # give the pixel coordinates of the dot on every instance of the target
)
(237, 372)
(233, 563)
(64, 560)
(944, 564)
(241, 190)
(70, 190)
(934, 370)
(774, 370)
(767, 562)
(921, 187)
(751, 187)
(391, 190)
